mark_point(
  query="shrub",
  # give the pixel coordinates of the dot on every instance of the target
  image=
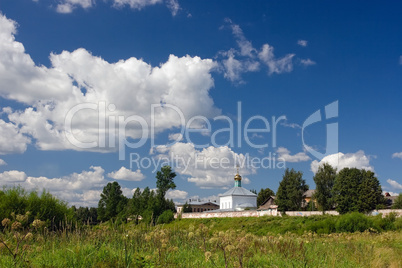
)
(386, 223)
(166, 217)
(353, 222)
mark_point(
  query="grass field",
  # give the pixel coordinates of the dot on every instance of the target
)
(226, 242)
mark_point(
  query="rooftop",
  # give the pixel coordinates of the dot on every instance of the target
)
(239, 191)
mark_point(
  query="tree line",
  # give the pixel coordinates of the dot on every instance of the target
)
(349, 190)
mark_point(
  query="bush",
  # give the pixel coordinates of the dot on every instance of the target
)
(166, 217)
(353, 222)
(386, 223)
(44, 207)
(323, 226)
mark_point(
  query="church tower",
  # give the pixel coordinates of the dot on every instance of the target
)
(237, 179)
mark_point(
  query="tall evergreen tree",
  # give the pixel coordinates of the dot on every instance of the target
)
(291, 191)
(324, 180)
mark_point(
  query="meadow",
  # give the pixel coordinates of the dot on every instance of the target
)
(351, 240)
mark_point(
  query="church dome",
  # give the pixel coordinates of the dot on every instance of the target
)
(237, 177)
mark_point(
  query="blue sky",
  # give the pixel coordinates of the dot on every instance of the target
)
(127, 58)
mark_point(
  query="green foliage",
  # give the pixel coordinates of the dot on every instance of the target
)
(353, 222)
(166, 217)
(219, 242)
(310, 206)
(356, 190)
(112, 202)
(263, 195)
(44, 207)
(291, 190)
(398, 202)
(324, 180)
(386, 223)
(164, 181)
(86, 215)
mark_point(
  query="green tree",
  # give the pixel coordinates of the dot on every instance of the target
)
(291, 191)
(263, 195)
(112, 202)
(398, 202)
(164, 181)
(135, 206)
(356, 190)
(324, 180)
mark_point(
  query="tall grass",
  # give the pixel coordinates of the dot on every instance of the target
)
(240, 242)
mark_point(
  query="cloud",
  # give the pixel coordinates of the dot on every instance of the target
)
(246, 58)
(340, 160)
(126, 88)
(246, 48)
(307, 62)
(284, 154)
(2, 162)
(67, 6)
(395, 184)
(233, 67)
(397, 155)
(12, 177)
(400, 60)
(176, 195)
(126, 175)
(173, 6)
(11, 139)
(80, 189)
(175, 137)
(282, 65)
(135, 4)
(212, 167)
(302, 43)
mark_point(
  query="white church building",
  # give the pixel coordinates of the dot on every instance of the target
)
(237, 198)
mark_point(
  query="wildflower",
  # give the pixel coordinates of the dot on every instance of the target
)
(38, 224)
(16, 225)
(21, 218)
(29, 236)
(6, 222)
(190, 235)
(207, 256)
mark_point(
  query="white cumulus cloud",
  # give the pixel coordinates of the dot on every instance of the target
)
(179, 89)
(395, 184)
(126, 175)
(340, 160)
(284, 154)
(11, 139)
(176, 195)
